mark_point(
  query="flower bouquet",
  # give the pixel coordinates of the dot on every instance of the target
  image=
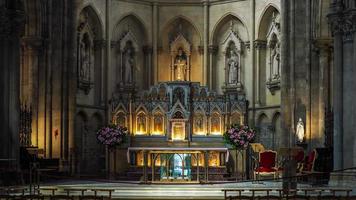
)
(111, 135)
(239, 136)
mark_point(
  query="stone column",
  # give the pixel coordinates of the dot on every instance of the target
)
(323, 48)
(147, 50)
(108, 58)
(99, 67)
(29, 88)
(213, 49)
(11, 23)
(206, 42)
(155, 43)
(286, 107)
(259, 45)
(337, 91)
(348, 100)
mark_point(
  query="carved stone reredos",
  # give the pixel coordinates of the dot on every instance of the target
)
(128, 37)
(180, 42)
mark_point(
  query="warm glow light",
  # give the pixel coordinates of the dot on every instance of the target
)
(157, 133)
(200, 133)
(178, 131)
(216, 133)
(140, 133)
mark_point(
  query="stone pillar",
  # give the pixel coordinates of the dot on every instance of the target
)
(108, 57)
(99, 66)
(206, 43)
(212, 52)
(260, 46)
(11, 23)
(29, 88)
(286, 107)
(348, 101)
(155, 43)
(147, 50)
(337, 92)
(323, 47)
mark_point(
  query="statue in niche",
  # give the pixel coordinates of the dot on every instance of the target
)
(233, 65)
(300, 130)
(199, 123)
(275, 61)
(180, 65)
(128, 62)
(84, 69)
(215, 124)
(158, 123)
(141, 123)
(178, 94)
(120, 120)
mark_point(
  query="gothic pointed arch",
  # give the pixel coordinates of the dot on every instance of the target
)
(230, 38)
(129, 41)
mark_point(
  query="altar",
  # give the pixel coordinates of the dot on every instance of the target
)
(179, 164)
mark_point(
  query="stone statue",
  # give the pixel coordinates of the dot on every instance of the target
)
(233, 64)
(199, 123)
(128, 62)
(141, 124)
(158, 124)
(300, 130)
(180, 65)
(275, 61)
(84, 70)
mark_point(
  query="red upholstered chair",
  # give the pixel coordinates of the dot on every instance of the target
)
(309, 162)
(266, 164)
(299, 158)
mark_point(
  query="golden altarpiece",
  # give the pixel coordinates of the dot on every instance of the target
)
(176, 127)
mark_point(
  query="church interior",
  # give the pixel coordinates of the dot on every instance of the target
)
(182, 99)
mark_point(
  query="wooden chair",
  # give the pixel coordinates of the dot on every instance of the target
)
(267, 162)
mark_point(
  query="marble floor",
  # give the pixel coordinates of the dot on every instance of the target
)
(125, 190)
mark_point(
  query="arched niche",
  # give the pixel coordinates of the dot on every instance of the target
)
(130, 65)
(120, 118)
(141, 122)
(199, 122)
(216, 123)
(90, 48)
(268, 53)
(179, 32)
(158, 122)
(277, 130)
(81, 130)
(229, 35)
(265, 136)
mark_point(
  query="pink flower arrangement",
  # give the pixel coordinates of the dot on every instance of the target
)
(111, 135)
(239, 136)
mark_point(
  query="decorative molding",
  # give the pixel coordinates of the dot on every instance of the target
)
(201, 49)
(247, 45)
(260, 44)
(323, 46)
(213, 49)
(147, 49)
(99, 44)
